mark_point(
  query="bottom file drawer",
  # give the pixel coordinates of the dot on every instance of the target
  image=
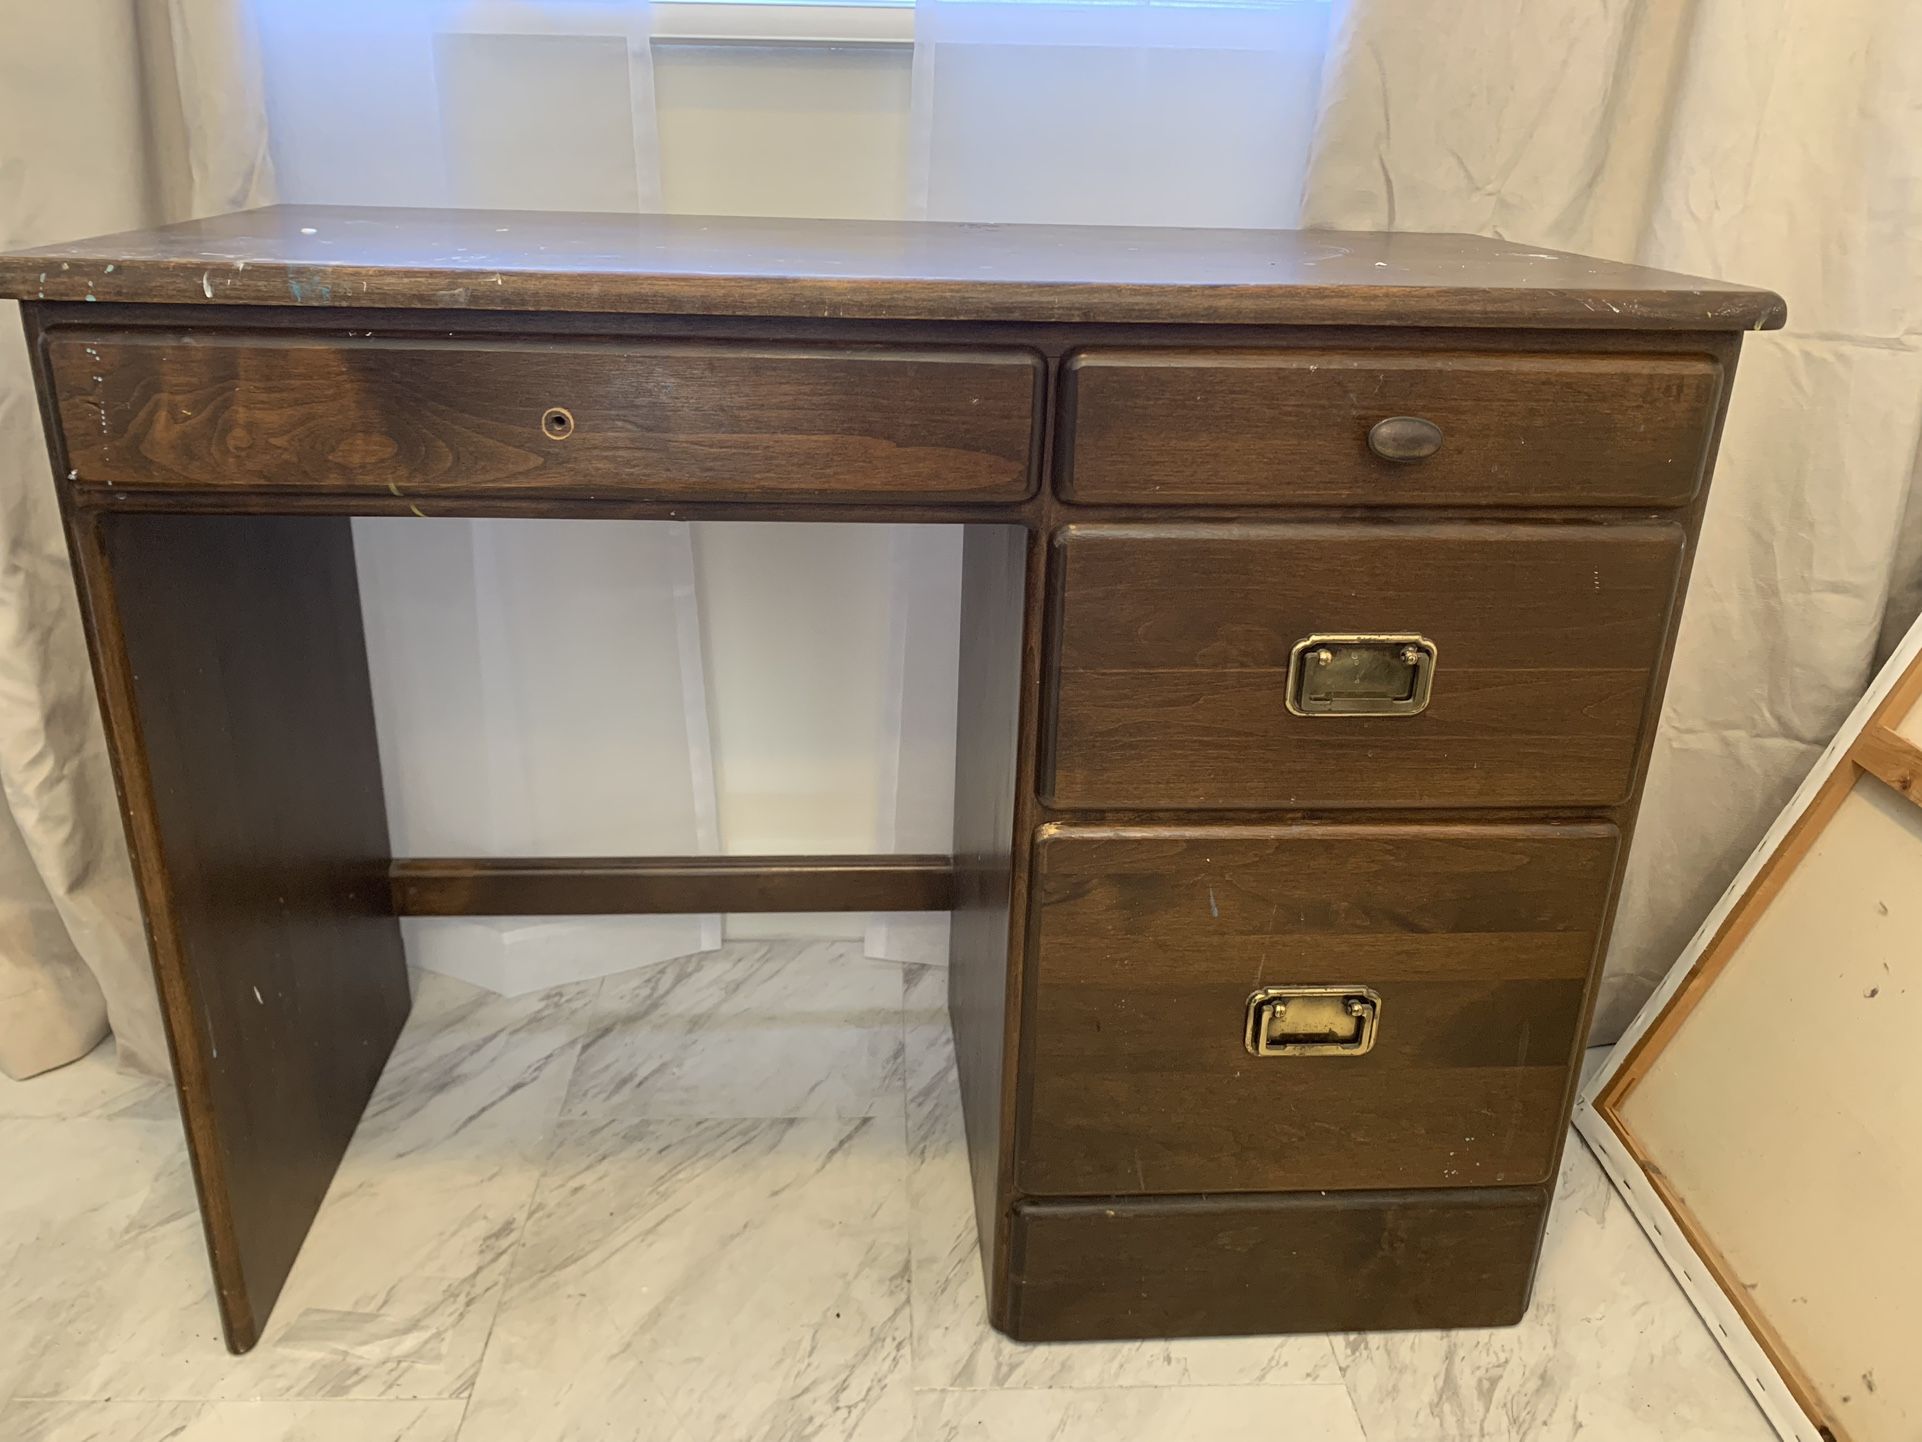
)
(1221, 1266)
(1468, 946)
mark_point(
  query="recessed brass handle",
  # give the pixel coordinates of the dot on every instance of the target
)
(1348, 674)
(1312, 1021)
(1404, 438)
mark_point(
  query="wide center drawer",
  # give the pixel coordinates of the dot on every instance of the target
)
(1294, 427)
(401, 417)
(1475, 943)
(1174, 649)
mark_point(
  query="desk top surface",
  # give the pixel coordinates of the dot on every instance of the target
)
(717, 265)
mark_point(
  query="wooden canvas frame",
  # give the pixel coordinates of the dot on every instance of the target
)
(1866, 745)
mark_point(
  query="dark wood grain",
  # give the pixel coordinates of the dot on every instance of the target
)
(1213, 1266)
(233, 676)
(230, 390)
(1001, 595)
(1479, 941)
(420, 416)
(1174, 645)
(668, 885)
(1255, 427)
(740, 265)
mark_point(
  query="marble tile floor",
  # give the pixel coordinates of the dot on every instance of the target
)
(721, 1198)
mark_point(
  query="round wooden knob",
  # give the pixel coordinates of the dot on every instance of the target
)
(1404, 438)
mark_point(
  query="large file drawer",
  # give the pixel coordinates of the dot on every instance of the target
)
(1471, 946)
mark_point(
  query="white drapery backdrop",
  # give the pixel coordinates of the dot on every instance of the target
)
(112, 115)
(1760, 141)
(1121, 112)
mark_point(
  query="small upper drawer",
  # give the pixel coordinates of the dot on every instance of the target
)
(1469, 947)
(669, 419)
(1293, 427)
(1190, 670)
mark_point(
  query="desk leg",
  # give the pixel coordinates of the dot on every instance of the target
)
(233, 679)
(997, 721)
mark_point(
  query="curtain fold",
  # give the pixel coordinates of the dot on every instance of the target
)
(205, 108)
(170, 126)
(1765, 141)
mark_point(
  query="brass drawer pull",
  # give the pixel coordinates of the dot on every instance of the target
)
(1312, 1021)
(1404, 438)
(1346, 674)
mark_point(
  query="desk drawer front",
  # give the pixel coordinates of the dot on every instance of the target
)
(1241, 428)
(1477, 942)
(668, 419)
(1174, 646)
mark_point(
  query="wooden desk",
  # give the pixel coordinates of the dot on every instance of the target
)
(1318, 598)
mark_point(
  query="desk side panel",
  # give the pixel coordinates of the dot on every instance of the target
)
(233, 678)
(993, 803)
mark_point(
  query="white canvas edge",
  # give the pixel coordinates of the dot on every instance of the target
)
(1691, 1269)
(1705, 1294)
